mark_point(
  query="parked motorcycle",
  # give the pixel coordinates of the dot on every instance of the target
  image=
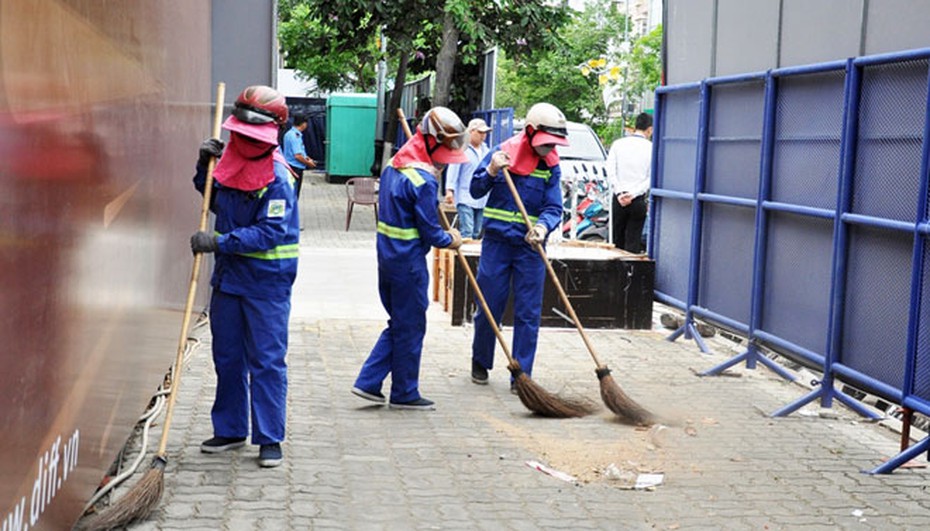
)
(585, 202)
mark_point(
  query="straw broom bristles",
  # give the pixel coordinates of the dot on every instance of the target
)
(544, 403)
(618, 401)
(136, 504)
(614, 397)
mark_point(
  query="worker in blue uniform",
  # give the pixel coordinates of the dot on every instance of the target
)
(256, 242)
(408, 225)
(295, 153)
(509, 260)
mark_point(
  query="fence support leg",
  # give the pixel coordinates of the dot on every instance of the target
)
(826, 393)
(750, 356)
(690, 332)
(890, 465)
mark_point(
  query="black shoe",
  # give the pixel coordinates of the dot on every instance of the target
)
(420, 403)
(368, 395)
(270, 455)
(513, 388)
(221, 444)
(479, 374)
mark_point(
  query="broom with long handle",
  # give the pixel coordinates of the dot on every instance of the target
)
(533, 396)
(614, 397)
(143, 497)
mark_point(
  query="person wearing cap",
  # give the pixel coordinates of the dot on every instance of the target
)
(255, 242)
(408, 225)
(458, 181)
(509, 259)
(294, 151)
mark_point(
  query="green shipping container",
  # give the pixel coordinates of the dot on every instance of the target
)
(350, 135)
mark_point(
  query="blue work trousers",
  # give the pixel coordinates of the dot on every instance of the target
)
(501, 266)
(403, 289)
(249, 347)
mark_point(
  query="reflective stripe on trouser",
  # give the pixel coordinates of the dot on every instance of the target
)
(501, 264)
(249, 346)
(398, 350)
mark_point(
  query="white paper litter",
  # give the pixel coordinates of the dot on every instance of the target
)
(647, 481)
(558, 474)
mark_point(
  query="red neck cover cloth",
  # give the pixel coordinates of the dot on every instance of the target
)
(239, 168)
(413, 153)
(523, 158)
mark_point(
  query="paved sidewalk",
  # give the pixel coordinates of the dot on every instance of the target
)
(349, 465)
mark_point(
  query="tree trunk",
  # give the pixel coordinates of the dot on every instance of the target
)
(391, 134)
(445, 61)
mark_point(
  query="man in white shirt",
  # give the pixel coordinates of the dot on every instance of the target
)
(458, 181)
(629, 169)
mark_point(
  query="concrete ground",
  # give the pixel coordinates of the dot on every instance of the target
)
(472, 463)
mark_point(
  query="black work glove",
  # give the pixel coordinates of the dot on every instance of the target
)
(211, 147)
(203, 242)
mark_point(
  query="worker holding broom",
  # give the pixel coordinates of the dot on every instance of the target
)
(508, 255)
(408, 225)
(256, 246)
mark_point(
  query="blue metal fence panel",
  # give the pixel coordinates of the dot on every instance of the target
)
(888, 152)
(725, 277)
(732, 173)
(679, 114)
(672, 255)
(922, 363)
(808, 209)
(679, 140)
(796, 291)
(735, 136)
(809, 131)
(874, 330)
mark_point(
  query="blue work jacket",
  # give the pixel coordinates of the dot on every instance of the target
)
(408, 223)
(540, 191)
(258, 235)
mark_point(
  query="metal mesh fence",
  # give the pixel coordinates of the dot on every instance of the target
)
(679, 140)
(922, 365)
(727, 260)
(876, 303)
(673, 253)
(892, 111)
(798, 272)
(808, 136)
(733, 147)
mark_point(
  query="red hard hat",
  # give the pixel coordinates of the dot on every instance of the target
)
(260, 104)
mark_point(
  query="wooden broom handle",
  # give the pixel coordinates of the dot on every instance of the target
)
(195, 274)
(464, 263)
(552, 275)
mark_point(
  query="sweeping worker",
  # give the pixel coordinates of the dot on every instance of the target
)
(408, 225)
(508, 255)
(256, 247)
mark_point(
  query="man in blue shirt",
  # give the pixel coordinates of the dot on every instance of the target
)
(295, 153)
(458, 181)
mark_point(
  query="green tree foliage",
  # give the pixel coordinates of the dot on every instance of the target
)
(335, 41)
(337, 58)
(553, 75)
(646, 62)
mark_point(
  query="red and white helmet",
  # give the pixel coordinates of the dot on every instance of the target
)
(447, 128)
(548, 125)
(258, 112)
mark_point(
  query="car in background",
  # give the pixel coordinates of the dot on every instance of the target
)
(585, 193)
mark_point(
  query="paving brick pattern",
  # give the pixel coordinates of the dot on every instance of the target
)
(348, 465)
